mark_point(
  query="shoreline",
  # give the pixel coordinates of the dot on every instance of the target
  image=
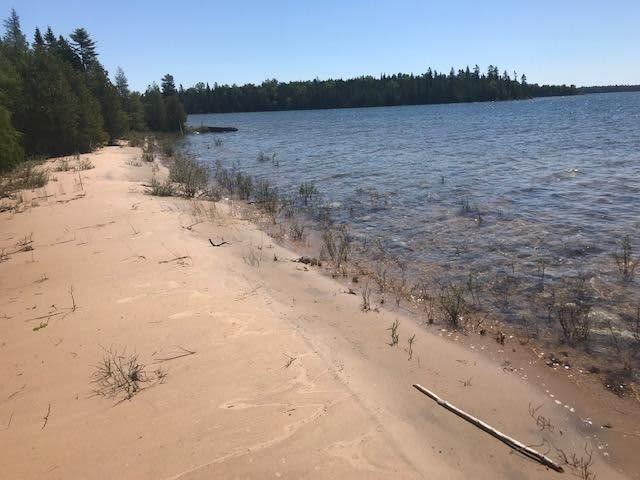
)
(145, 278)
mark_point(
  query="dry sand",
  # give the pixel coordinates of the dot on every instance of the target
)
(342, 408)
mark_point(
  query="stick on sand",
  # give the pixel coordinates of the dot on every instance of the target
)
(515, 444)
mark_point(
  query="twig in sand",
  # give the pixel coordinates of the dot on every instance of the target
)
(218, 244)
(515, 444)
(97, 225)
(289, 361)
(46, 417)
(541, 421)
(73, 300)
(176, 259)
(16, 392)
(9, 422)
(185, 353)
(411, 341)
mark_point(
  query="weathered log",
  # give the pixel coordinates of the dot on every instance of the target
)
(207, 129)
(511, 442)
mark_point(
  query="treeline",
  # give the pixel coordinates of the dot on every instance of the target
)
(609, 89)
(401, 89)
(57, 99)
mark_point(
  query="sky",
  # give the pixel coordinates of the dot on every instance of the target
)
(562, 41)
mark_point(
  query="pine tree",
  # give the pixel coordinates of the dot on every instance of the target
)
(84, 47)
(168, 85)
(11, 152)
(38, 41)
(13, 37)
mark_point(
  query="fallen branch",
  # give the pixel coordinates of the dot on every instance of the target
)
(175, 259)
(185, 353)
(46, 417)
(218, 244)
(289, 361)
(514, 444)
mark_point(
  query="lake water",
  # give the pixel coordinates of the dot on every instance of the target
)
(487, 187)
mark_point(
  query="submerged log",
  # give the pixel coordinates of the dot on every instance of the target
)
(207, 129)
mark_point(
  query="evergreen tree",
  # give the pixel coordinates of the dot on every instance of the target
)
(15, 40)
(38, 41)
(154, 109)
(11, 152)
(49, 38)
(168, 85)
(122, 84)
(84, 47)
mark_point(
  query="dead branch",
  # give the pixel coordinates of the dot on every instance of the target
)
(289, 361)
(46, 417)
(514, 444)
(185, 353)
(184, 257)
(218, 244)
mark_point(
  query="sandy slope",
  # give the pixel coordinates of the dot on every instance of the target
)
(343, 408)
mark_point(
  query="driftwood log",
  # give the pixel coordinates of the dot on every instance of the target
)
(207, 129)
(514, 444)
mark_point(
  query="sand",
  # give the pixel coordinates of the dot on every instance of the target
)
(288, 379)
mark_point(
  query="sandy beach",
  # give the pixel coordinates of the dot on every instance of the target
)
(256, 366)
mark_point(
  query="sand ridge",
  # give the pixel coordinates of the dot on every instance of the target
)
(288, 379)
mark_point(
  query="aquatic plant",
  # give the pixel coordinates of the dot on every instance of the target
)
(625, 260)
(453, 304)
(307, 191)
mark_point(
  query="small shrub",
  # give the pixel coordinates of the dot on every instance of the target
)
(572, 310)
(336, 245)
(393, 329)
(189, 174)
(307, 191)
(243, 186)
(83, 163)
(297, 231)
(158, 189)
(366, 297)
(63, 165)
(168, 149)
(266, 196)
(120, 375)
(135, 140)
(453, 304)
(149, 151)
(625, 260)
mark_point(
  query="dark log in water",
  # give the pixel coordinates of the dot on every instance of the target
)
(206, 129)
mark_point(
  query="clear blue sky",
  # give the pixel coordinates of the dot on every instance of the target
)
(562, 41)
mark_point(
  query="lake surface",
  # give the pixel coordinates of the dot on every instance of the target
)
(482, 186)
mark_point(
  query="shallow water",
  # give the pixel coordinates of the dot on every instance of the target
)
(553, 178)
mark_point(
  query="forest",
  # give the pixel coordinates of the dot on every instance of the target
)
(465, 85)
(56, 98)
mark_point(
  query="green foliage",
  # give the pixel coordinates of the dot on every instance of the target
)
(366, 91)
(161, 189)
(10, 150)
(57, 99)
(453, 304)
(187, 172)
